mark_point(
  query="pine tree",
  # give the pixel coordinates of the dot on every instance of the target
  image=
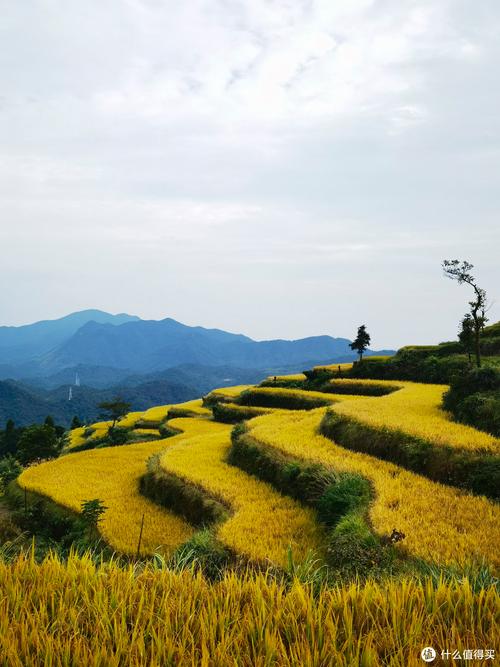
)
(361, 342)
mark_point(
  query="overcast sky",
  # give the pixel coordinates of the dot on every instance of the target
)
(280, 168)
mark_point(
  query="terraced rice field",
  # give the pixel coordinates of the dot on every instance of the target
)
(112, 475)
(264, 523)
(130, 420)
(76, 437)
(230, 392)
(156, 414)
(415, 409)
(441, 524)
(195, 407)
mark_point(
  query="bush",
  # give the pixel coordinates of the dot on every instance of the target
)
(39, 520)
(350, 492)
(341, 500)
(203, 551)
(9, 470)
(38, 442)
(118, 436)
(167, 431)
(354, 549)
(418, 365)
(305, 482)
(332, 494)
(474, 398)
(195, 504)
(358, 388)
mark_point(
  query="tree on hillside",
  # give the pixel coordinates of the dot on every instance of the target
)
(75, 423)
(37, 442)
(466, 335)
(361, 341)
(10, 438)
(115, 409)
(49, 421)
(461, 272)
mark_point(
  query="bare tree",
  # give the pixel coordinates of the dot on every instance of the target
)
(461, 272)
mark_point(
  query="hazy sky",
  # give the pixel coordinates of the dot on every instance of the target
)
(281, 168)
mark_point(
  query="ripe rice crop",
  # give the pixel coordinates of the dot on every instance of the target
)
(264, 523)
(99, 430)
(156, 414)
(298, 377)
(112, 475)
(229, 392)
(147, 431)
(76, 437)
(291, 399)
(79, 613)
(278, 397)
(129, 420)
(194, 407)
(334, 367)
(415, 409)
(441, 524)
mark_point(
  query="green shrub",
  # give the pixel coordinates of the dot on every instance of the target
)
(358, 388)
(9, 470)
(355, 550)
(203, 551)
(474, 398)
(350, 492)
(418, 365)
(341, 500)
(167, 431)
(195, 504)
(118, 436)
(332, 494)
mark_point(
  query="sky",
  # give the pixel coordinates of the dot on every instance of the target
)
(280, 168)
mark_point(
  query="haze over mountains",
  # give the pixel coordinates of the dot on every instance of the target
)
(145, 361)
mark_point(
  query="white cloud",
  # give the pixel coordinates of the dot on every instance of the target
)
(188, 152)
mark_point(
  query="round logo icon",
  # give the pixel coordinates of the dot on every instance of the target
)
(428, 654)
